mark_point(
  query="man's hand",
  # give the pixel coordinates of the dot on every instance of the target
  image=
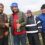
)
(1, 36)
(7, 24)
(6, 33)
(18, 25)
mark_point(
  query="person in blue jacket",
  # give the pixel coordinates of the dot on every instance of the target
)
(41, 22)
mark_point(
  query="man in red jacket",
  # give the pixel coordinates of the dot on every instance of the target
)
(17, 23)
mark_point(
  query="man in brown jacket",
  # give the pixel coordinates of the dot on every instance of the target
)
(3, 26)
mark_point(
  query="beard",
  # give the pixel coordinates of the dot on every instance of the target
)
(1, 11)
(15, 11)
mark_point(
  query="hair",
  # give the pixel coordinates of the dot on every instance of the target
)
(29, 11)
(43, 6)
(1, 5)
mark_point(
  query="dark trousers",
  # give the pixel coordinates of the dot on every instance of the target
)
(33, 39)
(20, 38)
(1, 41)
(4, 41)
(43, 36)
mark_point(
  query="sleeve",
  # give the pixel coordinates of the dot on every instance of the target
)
(39, 25)
(27, 28)
(6, 21)
(10, 21)
(23, 19)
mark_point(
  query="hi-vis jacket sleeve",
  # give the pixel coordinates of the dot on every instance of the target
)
(38, 22)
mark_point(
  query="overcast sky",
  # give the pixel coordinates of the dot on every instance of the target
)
(24, 5)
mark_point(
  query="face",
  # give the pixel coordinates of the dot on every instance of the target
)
(1, 9)
(29, 14)
(14, 9)
(43, 10)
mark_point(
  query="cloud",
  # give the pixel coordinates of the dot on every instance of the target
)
(24, 5)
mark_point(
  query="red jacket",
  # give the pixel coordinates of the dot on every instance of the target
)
(15, 17)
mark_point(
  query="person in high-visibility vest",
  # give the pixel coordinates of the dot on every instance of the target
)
(32, 33)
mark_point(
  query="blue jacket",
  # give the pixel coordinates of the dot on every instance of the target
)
(41, 18)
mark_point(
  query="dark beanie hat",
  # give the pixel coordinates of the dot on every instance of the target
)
(43, 6)
(29, 11)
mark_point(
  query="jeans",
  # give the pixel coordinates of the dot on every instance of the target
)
(20, 39)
